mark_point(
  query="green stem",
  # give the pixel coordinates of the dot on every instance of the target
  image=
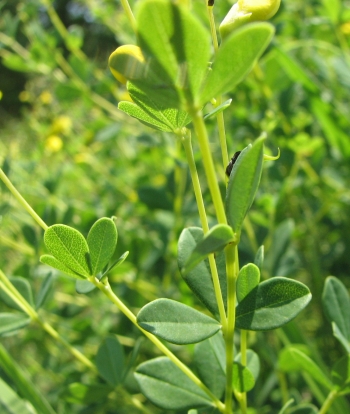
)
(231, 270)
(21, 200)
(222, 135)
(220, 116)
(186, 140)
(129, 14)
(214, 36)
(284, 386)
(243, 399)
(208, 163)
(13, 293)
(107, 291)
(328, 402)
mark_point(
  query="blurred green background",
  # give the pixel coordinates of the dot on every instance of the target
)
(76, 158)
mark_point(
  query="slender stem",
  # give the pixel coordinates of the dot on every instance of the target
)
(222, 135)
(243, 398)
(21, 200)
(220, 116)
(243, 347)
(231, 270)
(15, 46)
(129, 14)
(203, 140)
(186, 139)
(106, 290)
(214, 36)
(13, 293)
(328, 402)
(284, 386)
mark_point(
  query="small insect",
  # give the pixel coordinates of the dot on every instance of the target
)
(232, 162)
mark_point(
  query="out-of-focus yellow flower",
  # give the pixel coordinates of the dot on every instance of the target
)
(45, 97)
(24, 96)
(245, 11)
(345, 28)
(0, 95)
(61, 125)
(127, 62)
(53, 143)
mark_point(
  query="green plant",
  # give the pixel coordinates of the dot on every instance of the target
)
(169, 87)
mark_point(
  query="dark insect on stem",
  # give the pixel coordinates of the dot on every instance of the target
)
(232, 162)
(210, 3)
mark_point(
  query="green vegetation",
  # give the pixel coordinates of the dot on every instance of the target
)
(139, 274)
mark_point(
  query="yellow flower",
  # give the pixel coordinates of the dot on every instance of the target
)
(245, 11)
(127, 62)
(53, 143)
(259, 9)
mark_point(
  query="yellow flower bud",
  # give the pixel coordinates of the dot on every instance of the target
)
(127, 62)
(259, 9)
(245, 11)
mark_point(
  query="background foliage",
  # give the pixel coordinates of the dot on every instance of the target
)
(76, 158)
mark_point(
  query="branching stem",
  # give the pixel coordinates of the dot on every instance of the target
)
(106, 290)
(186, 139)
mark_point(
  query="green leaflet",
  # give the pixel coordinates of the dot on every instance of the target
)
(272, 304)
(248, 279)
(243, 380)
(294, 359)
(341, 374)
(235, 58)
(56, 264)
(23, 287)
(152, 121)
(215, 240)
(77, 257)
(69, 247)
(10, 323)
(153, 112)
(102, 241)
(110, 360)
(243, 183)
(209, 359)
(179, 43)
(10, 402)
(253, 362)
(336, 305)
(341, 338)
(259, 257)
(164, 384)
(199, 278)
(176, 322)
(44, 291)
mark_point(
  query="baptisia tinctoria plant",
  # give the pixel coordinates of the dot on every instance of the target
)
(176, 70)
